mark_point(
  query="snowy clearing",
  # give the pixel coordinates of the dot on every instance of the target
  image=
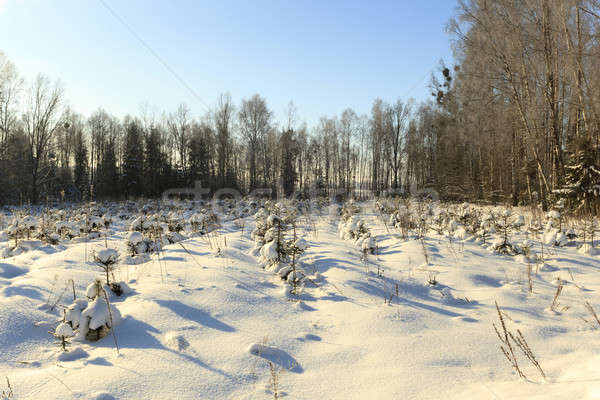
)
(372, 300)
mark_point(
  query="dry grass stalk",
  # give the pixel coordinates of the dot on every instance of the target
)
(556, 295)
(529, 277)
(8, 393)
(506, 346)
(274, 380)
(507, 338)
(589, 307)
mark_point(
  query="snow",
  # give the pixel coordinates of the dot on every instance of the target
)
(554, 214)
(63, 329)
(301, 244)
(72, 354)
(135, 237)
(195, 324)
(106, 256)
(269, 252)
(175, 341)
(97, 314)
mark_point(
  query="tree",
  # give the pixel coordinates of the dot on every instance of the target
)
(223, 119)
(10, 88)
(179, 128)
(255, 122)
(288, 147)
(107, 176)
(397, 116)
(582, 181)
(154, 164)
(80, 173)
(41, 120)
(348, 128)
(199, 154)
(133, 159)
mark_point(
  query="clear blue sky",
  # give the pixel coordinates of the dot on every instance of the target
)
(324, 55)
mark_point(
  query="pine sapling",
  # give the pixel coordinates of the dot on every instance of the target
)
(63, 332)
(107, 260)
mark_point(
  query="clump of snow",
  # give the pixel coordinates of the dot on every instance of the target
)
(63, 330)
(95, 320)
(73, 312)
(259, 349)
(269, 253)
(135, 237)
(107, 256)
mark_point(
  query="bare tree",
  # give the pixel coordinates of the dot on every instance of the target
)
(348, 127)
(223, 121)
(10, 87)
(397, 118)
(180, 130)
(42, 118)
(255, 122)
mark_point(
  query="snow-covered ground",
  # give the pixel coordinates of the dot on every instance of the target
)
(203, 319)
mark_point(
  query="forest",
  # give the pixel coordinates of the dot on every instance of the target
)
(513, 119)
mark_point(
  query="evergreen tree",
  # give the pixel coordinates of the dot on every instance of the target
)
(154, 162)
(133, 158)
(199, 157)
(107, 177)
(81, 165)
(288, 151)
(582, 180)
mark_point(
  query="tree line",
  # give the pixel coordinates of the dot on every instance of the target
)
(49, 152)
(515, 120)
(518, 117)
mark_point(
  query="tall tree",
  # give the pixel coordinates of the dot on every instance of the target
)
(42, 118)
(80, 173)
(133, 159)
(223, 121)
(255, 122)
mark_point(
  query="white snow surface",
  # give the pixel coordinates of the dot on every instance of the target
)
(197, 325)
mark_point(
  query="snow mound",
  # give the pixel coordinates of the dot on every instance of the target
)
(72, 355)
(259, 349)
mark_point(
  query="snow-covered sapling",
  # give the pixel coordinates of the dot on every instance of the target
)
(295, 249)
(63, 332)
(99, 316)
(107, 260)
(588, 229)
(175, 225)
(136, 243)
(369, 246)
(504, 226)
(29, 224)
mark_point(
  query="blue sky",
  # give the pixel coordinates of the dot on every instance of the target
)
(324, 55)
